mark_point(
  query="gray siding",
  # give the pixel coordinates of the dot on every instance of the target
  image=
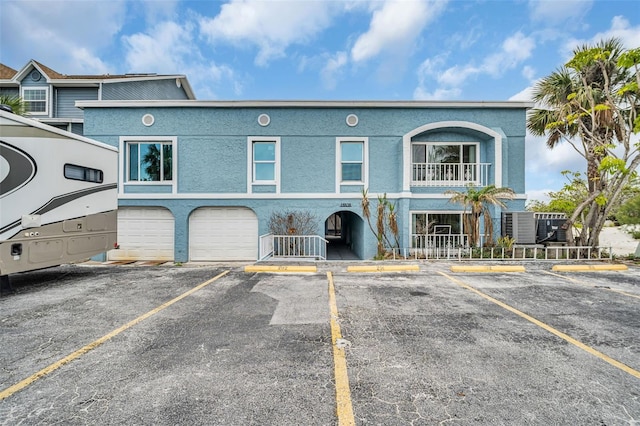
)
(65, 99)
(141, 90)
(9, 91)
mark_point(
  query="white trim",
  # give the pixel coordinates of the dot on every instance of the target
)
(123, 170)
(262, 118)
(301, 104)
(148, 120)
(406, 147)
(47, 100)
(365, 162)
(286, 195)
(250, 181)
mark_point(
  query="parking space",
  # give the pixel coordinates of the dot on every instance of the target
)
(218, 345)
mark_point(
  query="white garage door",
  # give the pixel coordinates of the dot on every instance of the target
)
(223, 233)
(144, 233)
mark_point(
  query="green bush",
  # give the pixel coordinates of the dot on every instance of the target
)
(629, 212)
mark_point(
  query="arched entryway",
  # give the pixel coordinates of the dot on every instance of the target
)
(344, 231)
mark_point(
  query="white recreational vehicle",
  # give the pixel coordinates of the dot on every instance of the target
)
(58, 196)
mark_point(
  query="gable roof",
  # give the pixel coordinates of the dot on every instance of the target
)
(11, 77)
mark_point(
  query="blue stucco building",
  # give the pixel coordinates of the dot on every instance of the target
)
(200, 180)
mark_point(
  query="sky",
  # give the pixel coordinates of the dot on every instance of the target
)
(456, 50)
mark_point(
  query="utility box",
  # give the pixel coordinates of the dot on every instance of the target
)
(521, 226)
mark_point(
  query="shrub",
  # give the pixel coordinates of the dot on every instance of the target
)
(293, 222)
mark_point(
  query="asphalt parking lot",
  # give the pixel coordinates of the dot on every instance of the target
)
(87, 344)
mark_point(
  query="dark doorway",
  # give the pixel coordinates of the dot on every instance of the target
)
(343, 230)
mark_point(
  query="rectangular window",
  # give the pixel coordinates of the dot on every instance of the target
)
(86, 174)
(444, 162)
(35, 99)
(149, 161)
(437, 230)
(264, 161)
(351, 161)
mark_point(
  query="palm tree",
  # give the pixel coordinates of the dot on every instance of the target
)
(476, 203)
(583, 104)
(563, 103)
(18, 106)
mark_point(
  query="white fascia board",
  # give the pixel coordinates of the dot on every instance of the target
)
(303, 104)
(281, 196)
(26, 69)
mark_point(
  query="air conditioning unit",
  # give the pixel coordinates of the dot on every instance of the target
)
(520, 226)
(550, 227)
(552, 231)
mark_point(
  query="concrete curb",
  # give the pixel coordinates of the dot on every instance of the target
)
(383, 268)
(583, 268)
(280, 268)
(488, 268)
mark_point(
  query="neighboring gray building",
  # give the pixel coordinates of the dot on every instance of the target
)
(199, 180)
(50, 96)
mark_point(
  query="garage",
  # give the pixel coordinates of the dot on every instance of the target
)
(144, 233)
(223, 233)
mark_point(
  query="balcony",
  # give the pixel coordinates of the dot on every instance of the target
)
(449, 174)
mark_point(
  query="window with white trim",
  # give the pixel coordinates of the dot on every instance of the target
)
(36, 100)
(438, 229)
(351, 161)
(149, 161)
(264, 159)
(444, 161)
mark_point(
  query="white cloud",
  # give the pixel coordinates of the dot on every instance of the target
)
(270, 26)
(395, 26)
(620, 28)
(528, 72)
(332, 68)
(163, 49)
(168, 48)
(421, 94)
(56, 33)
(513, 51)
(554, 12)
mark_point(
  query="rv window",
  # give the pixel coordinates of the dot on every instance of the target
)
(71, 171)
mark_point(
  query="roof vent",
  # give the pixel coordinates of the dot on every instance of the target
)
(352, 120)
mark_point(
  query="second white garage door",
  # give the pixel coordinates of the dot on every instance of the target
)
(223, 233)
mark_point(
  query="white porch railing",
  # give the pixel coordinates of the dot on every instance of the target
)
(293, 246)
(438, 245)
(535, 253)
(450, 174)
(266, 246)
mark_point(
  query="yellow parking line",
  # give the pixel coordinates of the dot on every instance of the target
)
(382, 268)
(487, 268)
(280, 268)
(590, 285)
(344, 409)
(40, 374)
(582, 268)
(550, 329)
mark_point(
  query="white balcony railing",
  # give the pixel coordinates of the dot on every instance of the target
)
(449, 174)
